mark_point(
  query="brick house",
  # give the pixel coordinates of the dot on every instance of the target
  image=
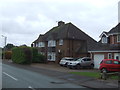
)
(108, 47)
(64, 40)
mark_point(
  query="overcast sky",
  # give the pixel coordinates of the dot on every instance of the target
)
(21, 21)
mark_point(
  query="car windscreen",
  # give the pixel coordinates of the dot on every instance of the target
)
(69, 59)
(75, 59)
(79, 59)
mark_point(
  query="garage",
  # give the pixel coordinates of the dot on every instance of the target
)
(97, 59)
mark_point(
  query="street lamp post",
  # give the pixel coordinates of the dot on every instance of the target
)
(5, 41)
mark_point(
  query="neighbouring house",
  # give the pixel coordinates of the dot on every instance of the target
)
(64, 40)
(108, 47)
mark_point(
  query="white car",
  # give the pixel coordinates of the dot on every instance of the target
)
(81, 62)
(64, 61)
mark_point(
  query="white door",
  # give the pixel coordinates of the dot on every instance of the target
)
(97, 59)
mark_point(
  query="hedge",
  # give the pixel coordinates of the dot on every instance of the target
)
(22, 55)
(27, 55)
(40, 59)
(35, 54)
(37, 57)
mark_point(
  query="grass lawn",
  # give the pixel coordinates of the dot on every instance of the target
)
(92, 74)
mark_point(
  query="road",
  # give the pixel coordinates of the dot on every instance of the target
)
(13, 77)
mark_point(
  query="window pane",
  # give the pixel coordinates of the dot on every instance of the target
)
(108, 62)
(88, 59)
(116, 62)
(60, 42)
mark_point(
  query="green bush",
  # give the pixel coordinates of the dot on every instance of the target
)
(22, 55)
(34, 54)
(37, 58)
(40, 58)
(27, 55)
(8, 54)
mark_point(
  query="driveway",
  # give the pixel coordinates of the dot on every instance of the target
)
(57, 67)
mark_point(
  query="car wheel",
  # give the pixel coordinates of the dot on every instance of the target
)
(66, 64)
(60, 64)
(104, 70)
(78, 66)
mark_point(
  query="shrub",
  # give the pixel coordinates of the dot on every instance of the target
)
(37, 58)
(40, 58)
(26, 55)
(22, 55)
(34, 54)
(8, 54)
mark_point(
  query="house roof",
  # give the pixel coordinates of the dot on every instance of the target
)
(40, 38)
(68, 31)
(115, 29)
(104, 33)
(106, 47)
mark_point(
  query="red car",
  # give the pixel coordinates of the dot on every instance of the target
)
(110, 65)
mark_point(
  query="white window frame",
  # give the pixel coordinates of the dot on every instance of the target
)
(41, 44)
(118, 38)
(52, 55)
(61, 42)
(51, 43)
(36, 44)
(104, 40)
(109, 55)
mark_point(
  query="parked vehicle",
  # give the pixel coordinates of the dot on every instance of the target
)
(110, 65)
(64, 61)
(81, 62)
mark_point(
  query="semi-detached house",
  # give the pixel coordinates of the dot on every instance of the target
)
(64, 40)
(108, 47)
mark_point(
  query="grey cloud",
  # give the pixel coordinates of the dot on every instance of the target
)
(42, 16)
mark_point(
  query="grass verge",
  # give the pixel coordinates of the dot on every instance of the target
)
(93, 74)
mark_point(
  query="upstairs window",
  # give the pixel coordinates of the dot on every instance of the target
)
(51, 43)
(104, 39)
(61, 42)
(118, 38)
(41, 44)
(36, 45)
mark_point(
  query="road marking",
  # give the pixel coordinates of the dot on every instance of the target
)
(31, 87)
(10, 76)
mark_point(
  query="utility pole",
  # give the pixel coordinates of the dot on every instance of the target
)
(5, 41)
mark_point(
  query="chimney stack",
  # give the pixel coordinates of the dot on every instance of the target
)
(61, 23)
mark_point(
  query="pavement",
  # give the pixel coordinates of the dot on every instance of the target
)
(59, 72)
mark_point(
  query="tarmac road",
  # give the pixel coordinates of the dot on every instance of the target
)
(14, 77)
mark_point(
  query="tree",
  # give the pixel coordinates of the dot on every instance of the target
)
(9, 46)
